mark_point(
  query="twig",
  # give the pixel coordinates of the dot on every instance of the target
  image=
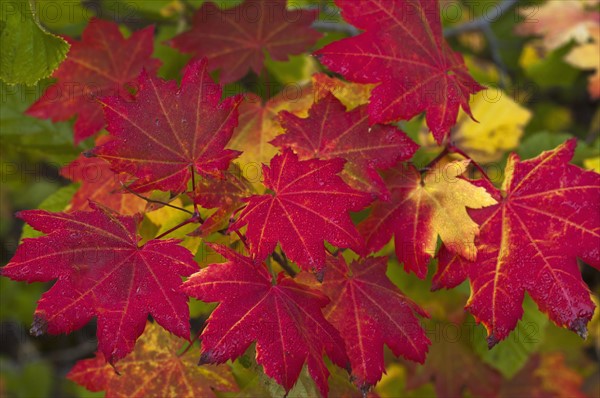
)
(496, 56)
(480, 22)
(483, 23)
(72, 353)
(333, 26)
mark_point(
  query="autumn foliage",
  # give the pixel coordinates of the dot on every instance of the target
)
(299, 260)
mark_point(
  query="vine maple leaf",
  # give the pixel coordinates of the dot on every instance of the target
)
(369, 311)
(155, 369)
(259, 125)
(102, 63)
(283, 318)
(547, 216)
(100, 184)
(236, 39)
(423, 207)
(404, 50)
(166, 131)
(102, 271)
(366, 149)
(226, 195)
(309, 204)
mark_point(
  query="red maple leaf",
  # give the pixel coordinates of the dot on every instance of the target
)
(100, 184)
(283, 318)
(547, 216)
(166, 131)
(404, 50)
(236, 39)
(366, 149)
(102, 63)
(102, 271)
(309, 204)
(370, 311)
(423, 207)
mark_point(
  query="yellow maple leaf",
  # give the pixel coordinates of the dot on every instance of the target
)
(423, 207)
(448, 197)
(499, 128)
(587, 57)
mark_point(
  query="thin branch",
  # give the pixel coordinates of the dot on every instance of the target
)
(155, 201)
(483, 23)
(72, 353)
(480, 22)
(494, 45)
(338, 27)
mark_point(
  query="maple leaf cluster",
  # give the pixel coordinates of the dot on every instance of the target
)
(327, 161)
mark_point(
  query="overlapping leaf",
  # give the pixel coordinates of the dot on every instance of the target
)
(403, 49)
(225, 195)
(102, 63)
(423, 207)
(235, 40)
(283, 318)
(453, 367)
(310, 204)
(100, 184)
(330, 132)
(29, 52)
(547, 216)
(370, 311)
(166, 131)
(102, 272)
(259, 125)
(154, 369)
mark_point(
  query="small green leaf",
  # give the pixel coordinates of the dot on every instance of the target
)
(512, 354)
(58, 201)
(29, 53)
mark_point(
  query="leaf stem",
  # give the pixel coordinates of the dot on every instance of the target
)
(270, 268)
(456, 150)
(190, 344)
(194, 218)
(283, 263)
(155, 201)
(243, 239)
(196, 211)
(439, 157)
